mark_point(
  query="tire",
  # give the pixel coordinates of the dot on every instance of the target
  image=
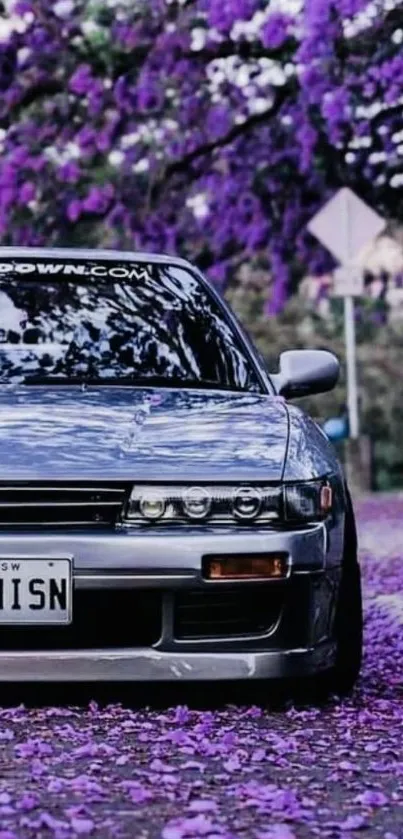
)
(348, 618)
(348, 633)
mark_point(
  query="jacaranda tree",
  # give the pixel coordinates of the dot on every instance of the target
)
(210, 128)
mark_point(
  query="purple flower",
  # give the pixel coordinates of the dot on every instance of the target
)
(181, 111)
(34, 747)
(22, 7)
(37, 163)
(223, 14)
(128, 35)
(27, 192)
(353, 822)
(28, 802)
(150, 96)
(86, 138)
(82, 826)
(94, 203)
(103, 140)
(372, 798)
(276, 831)
(218, 273)
(81, 80)
(307, 136)
(205, 805)
(275, 30)
(348, 766)
(182, 715)
(218, 121)
(74, 210)
(70, 172)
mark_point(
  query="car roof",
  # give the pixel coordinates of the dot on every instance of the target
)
(8, 252)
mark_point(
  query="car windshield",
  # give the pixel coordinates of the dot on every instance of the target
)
(115, 323)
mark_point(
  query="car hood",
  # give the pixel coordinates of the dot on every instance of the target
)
(141, 434)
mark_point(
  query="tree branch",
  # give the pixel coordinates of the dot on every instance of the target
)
(29, 96)
(390, 110)
(236, 131)
(246, 50)
(361, 44)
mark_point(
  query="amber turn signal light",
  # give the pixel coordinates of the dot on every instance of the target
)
(326, 499)
(245, 567)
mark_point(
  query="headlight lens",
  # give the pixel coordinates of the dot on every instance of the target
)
(247, 502)
(152, 506)
(225, 504)
(196, 502)
(308, 502)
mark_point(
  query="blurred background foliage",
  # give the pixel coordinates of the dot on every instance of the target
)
(379, 359)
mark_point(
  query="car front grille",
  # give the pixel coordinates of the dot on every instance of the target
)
(95, 505)
(226, 613)
(101, 619)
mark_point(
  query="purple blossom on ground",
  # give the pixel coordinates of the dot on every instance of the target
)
(184, 771)
(354, 822)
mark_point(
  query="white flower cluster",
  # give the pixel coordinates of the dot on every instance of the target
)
(250, 29)
(63, 8)
(364, 18)
(151, 132)
(199, 205)
(256, 79)
(14, 23)
(71, 151)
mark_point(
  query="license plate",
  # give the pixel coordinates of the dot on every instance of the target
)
(35, 591)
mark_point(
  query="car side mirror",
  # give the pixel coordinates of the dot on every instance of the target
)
(306, 372)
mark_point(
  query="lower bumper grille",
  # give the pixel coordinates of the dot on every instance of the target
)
(60, 504)
(229, 613)
(100, 619)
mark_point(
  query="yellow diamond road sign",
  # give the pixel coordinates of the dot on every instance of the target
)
(345, 225)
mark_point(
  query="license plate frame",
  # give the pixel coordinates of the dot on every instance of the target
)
(29, 568)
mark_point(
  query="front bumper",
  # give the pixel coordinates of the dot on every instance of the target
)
(149, 665)
(296, 641)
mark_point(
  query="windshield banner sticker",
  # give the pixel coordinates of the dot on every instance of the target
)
(117, 272)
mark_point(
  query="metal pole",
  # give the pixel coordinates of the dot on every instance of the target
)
(352, 393)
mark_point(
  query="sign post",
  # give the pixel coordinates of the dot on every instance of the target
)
(344, 226)
(352, 390)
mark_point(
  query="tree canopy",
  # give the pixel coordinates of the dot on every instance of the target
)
(209, 128)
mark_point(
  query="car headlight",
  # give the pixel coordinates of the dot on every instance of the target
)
(225, 504)
(310, 501)
(196, 502)
(247, 502)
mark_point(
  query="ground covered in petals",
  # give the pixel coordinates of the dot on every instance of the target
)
(186, 771)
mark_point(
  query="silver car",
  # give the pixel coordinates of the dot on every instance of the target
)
(166, 513)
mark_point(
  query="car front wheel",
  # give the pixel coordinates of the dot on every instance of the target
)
(349, 618)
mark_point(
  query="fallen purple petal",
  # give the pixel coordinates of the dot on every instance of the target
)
(354, 822)
(82, 826)
(372, 798)
(276, 831)
(328, 771)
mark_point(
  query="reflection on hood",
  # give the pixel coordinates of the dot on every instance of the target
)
(141, 434)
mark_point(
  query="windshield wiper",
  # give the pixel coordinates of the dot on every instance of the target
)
(127, 381)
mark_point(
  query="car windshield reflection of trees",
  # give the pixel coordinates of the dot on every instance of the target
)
(164, 329)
